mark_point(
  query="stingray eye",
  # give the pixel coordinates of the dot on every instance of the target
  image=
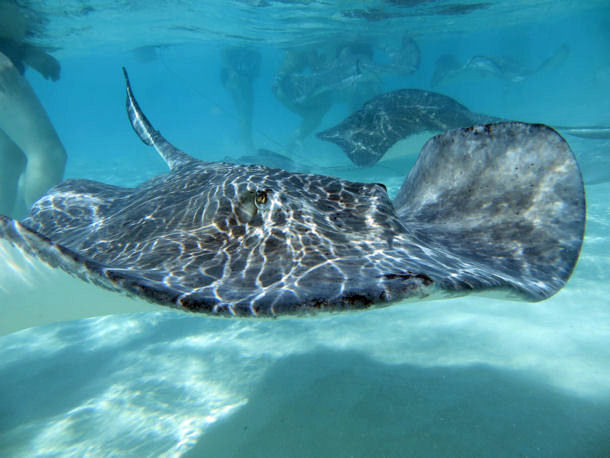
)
(261, 197)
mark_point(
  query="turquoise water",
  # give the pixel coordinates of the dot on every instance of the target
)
(462, 377)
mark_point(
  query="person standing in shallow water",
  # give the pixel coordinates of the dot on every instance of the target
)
(32, 158)
(311, 79)
(240, 67)
(300, 98)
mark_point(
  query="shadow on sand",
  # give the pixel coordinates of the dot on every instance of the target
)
(343, 404)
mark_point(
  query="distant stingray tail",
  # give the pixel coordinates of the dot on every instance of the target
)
(147, 133)
(446, 66)
(553, 62)
(594, 132)
(499, 205)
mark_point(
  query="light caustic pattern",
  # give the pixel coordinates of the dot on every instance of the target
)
(240, 239)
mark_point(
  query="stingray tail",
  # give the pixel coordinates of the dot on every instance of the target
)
(555, 60)
(594, 132)
(446, 65)
(148, 134)
(497, 205)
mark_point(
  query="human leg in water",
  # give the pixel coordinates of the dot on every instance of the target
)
(25, 122)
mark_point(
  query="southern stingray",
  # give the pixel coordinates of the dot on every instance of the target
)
(508, 69)
(490, 207)
(367, 134)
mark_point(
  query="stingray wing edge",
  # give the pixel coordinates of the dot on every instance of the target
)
(73, 263)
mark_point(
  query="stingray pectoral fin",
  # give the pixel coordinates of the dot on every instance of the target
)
(498, 205)
(40, 283)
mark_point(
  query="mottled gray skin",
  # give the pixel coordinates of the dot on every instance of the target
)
(269, 159)
(491, 206)
(368, 133)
